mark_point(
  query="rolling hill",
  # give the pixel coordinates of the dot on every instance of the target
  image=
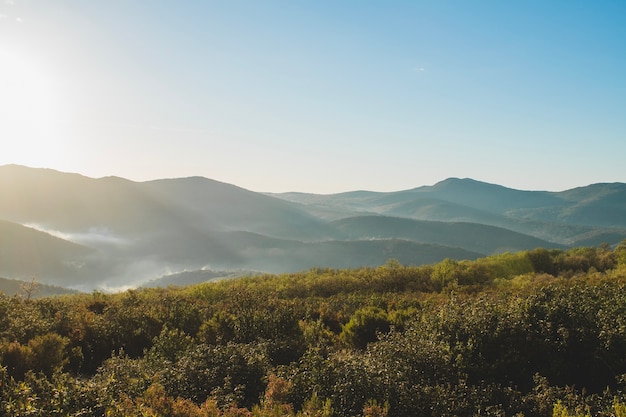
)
(469, 236)
(567, 217)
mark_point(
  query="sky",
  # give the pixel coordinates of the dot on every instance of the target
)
(317, 96)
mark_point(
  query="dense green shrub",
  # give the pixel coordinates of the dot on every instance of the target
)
(537, 333)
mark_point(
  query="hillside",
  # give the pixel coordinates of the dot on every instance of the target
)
(12, 287)
(195, 277)
(274, 255)
(29, 253)
(469, 236)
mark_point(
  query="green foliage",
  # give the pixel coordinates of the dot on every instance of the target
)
(542, 260)
(445, 273)
(17, 359)
(364, 326)
(170, 345)
(507, 265)
(619, 408)
(535, 333)
(315, 407)
(561, 411)
(49, 353)
(373, 409)
(231, 373)
(620, 254)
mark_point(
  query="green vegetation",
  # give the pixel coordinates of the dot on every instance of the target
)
(534, 333)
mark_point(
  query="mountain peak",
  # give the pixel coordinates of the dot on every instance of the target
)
(458, 181)
(453, 183)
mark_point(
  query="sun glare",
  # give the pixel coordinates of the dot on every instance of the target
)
(29, 111)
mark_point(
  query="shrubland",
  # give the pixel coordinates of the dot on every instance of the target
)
(534, 333)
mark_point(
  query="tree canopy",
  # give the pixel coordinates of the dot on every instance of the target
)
(534, 333)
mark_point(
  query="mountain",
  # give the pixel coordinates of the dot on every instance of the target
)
(110, 233)
(488, 197)
(567, 217)
(226, 207)
(75, 203)
(142, 230)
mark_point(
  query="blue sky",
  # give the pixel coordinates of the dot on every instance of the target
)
(317, 96)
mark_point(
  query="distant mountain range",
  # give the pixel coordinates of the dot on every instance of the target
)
(108, 233)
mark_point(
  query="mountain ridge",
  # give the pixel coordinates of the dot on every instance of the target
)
(135, 232)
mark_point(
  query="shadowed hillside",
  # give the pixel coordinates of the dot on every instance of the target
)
(470, 236)
(13, 287)
(276, 255)
(30, 253)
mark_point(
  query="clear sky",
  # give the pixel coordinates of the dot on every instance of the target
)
(317, 96)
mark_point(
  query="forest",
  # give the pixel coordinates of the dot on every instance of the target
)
(533, 333)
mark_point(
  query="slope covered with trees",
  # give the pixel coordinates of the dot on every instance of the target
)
(26, 252)
(533, 333)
